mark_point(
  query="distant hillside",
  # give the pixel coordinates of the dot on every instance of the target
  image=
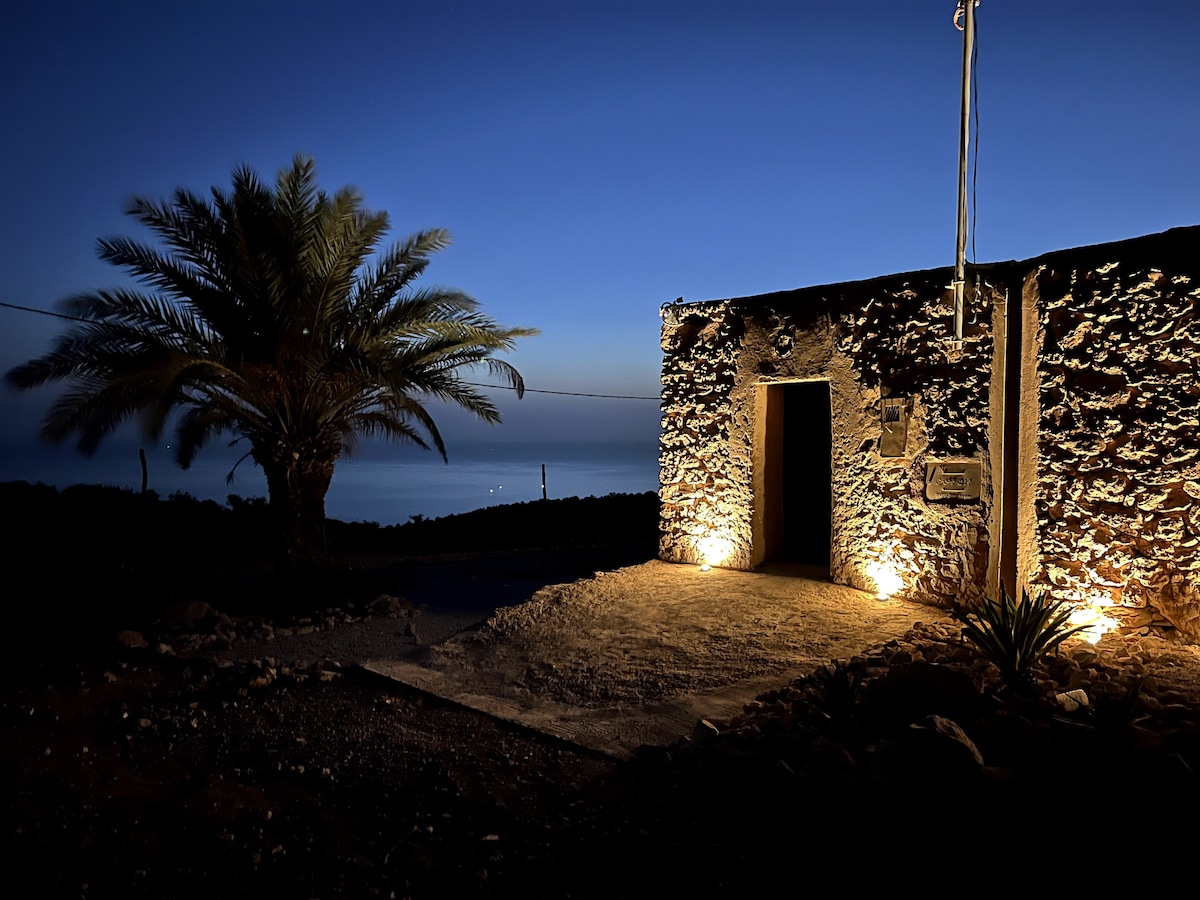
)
(115, 529)
(568, 522)
(84, 560)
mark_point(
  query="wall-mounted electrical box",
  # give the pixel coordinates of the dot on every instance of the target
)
(895, 427)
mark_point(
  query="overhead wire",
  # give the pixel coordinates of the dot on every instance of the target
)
(507, 387)
(46, 312)
(975, 143)
(504, 387)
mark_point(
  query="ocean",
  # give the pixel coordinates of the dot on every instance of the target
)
(382, 484)
(392, 491)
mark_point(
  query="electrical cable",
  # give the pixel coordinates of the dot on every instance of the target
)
(505, 387)
(975, 144)
(46, 312)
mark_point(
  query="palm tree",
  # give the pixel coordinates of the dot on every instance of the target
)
(270, 315)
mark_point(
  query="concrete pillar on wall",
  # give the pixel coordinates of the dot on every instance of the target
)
(1027, 465)
(1008, 352)
(767, 463)
(999, 389)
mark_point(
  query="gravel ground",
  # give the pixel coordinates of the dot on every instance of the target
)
(146, 771)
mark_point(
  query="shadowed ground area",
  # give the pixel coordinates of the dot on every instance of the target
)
(179, 722)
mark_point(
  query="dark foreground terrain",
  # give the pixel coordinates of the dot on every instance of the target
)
(130, 771)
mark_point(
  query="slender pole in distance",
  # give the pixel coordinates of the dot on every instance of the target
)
(967, 9)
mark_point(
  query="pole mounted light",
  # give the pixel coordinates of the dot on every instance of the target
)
(964, 20)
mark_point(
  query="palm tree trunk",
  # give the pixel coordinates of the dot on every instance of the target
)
(297, 488)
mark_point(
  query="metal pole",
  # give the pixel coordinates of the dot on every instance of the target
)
(967, 8)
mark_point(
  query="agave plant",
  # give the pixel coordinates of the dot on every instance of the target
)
(836, 690)
(1015, 635)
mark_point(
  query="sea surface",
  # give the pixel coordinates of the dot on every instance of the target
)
(381, 484)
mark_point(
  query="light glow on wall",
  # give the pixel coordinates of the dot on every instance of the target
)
(889, 561)
(886, 579)
(714, 549)
(1090, 596)
(1089, 612)
(1096, 623)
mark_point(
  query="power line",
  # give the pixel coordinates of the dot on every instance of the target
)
(46, 312)
(975, 146)
(504, 387)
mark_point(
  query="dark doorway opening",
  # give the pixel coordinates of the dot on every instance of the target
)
(807, 491)
(793, 479)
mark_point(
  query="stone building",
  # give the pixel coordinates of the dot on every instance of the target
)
(1056, 448)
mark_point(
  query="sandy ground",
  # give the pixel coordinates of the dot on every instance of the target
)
(638, 655)
(156, 775)
(625, 658)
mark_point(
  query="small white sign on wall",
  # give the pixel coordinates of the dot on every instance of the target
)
(952, 479)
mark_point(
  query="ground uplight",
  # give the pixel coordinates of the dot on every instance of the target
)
(885, 578)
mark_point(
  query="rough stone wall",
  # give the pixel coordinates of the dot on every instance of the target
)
(870, 340)
(1117, 502)
(703, 493)
(896, 342)
(1107, 472)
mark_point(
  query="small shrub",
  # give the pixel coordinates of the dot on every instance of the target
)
(1015, 635)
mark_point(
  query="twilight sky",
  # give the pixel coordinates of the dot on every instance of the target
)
(595, 159)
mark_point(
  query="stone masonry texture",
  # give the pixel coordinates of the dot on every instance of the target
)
(1113, 410)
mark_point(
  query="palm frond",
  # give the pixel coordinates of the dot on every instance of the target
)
(196, 427)
(398, 268)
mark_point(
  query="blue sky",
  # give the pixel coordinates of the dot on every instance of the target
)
(596, 159)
